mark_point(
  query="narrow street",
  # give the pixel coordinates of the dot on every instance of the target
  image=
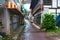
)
(32, 33)
(29, 19)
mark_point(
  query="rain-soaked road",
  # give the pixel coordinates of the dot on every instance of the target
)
(32, 33)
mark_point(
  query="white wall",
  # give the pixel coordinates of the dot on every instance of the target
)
(54, 5)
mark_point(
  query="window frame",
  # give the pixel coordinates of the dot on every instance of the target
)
(46, 2)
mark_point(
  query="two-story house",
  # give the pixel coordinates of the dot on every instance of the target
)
(10, 15)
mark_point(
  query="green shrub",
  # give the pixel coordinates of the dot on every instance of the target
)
(48, 21)
(7, 38)
(54, 31)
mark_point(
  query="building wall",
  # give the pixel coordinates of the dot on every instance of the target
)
(55, 4)
(5, 20)
(14, 21)
(9, 22)
(37, 18)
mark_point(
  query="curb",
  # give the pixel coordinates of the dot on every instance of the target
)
(35, 26)
(19, 32)
(55, 38)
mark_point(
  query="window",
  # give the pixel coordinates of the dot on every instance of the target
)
(47, 2)
(58, 3)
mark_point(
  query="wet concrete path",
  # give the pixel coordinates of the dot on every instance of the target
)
(32, 33)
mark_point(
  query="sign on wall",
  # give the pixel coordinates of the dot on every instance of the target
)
(11, 5)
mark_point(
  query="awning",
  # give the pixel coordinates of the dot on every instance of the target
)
(16, 11)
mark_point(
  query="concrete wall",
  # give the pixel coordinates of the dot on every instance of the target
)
(6, 21)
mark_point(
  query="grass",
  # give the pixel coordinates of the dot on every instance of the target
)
(54, 31)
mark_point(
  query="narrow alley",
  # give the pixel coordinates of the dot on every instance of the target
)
(29, 19)
(32, 33)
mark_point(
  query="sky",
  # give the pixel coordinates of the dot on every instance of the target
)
(27, 6)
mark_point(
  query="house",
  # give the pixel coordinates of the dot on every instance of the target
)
(36, 8)
(41, 7)
(10, 15)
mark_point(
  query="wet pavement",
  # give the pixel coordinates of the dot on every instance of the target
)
(32, 33)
